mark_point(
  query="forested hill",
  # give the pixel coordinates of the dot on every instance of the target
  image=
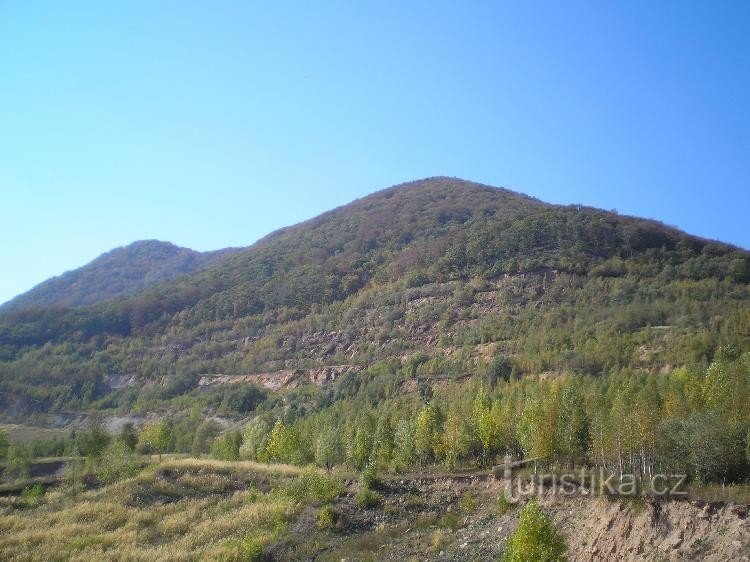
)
(434, 278)
(123, 271)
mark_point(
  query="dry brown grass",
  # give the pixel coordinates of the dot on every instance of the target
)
(735, 493)
(196, 516)
(232, 466)
(26, 433)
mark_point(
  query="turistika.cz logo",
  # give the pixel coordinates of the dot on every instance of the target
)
(595, 483)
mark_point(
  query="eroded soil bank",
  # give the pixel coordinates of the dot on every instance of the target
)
(445, 518)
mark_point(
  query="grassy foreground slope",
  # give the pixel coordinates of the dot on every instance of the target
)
(175, 510)
(193, 509)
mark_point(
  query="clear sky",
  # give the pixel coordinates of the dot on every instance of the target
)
(209, 124)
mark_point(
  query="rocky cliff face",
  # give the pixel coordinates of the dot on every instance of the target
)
(282, 380)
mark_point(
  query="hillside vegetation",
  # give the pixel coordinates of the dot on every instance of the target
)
(119, 272)
(436, 277)
(432, 327)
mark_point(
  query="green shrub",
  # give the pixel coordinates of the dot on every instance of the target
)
(468, 504)
(83, 542)
(227, 447)
(504, 505)
(18, 464)
(369, 477)
(367, 498)
(116, 463)
(311, 487)
(414, 502)
(536, 540)
(4, 443)
(326, 517)
(253, 494)
(94, 440)
(32, 493)
(252, 549)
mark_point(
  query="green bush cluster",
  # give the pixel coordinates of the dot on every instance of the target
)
(367, 498)
(313, 488)
(326, 517)
(536, 539)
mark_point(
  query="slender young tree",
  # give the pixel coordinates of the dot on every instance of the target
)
(427, 430)
(573, 425)
(456, 440)
(156, 436)
(328, 450)
(404, 451)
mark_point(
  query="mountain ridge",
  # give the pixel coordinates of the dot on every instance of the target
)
(188, 261)
(121, 271)
(438, 276)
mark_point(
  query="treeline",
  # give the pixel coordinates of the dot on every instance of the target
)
(696, 423)
(689, 422)
(110, 456)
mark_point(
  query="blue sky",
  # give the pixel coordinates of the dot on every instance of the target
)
(209, 124)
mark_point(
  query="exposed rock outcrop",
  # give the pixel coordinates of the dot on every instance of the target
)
(282, 380)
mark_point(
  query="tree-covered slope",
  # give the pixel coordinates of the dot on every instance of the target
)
(435, 278)
(123, 271)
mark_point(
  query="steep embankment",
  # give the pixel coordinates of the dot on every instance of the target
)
(459, 518)
(604, 529)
